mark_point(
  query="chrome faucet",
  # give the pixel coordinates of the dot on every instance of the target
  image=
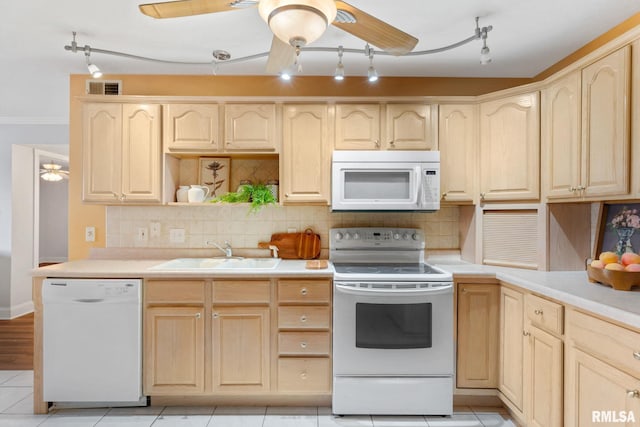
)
(226, 250)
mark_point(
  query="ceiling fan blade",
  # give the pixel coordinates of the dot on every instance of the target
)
(281, 56)
(374, 31)
(174, 9)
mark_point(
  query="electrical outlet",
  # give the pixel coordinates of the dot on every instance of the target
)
(154, 229)
(176, 235)
(90, 234)
(143, 234)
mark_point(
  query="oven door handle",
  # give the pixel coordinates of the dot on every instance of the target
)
(393, 292)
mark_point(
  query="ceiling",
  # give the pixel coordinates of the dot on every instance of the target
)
(527, 37)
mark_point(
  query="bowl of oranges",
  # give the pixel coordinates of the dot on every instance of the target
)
(620, 272)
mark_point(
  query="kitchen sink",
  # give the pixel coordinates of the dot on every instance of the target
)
(233, 263)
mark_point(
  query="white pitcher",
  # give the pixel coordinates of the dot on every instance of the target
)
(182, 195)
(197, 193)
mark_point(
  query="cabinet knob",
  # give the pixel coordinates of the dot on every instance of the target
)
(444, 195)
(303, 318)
(286, 194)
(303, 291)
(464, 290)
(214, 315)
(377, 143)
(122, 197)
(303, 375)
(198, 315)
(115, 195)
(572, 189)
(633, 393)
(303, 344)
(525, 333)
(636, 355)
(538, 312)
(392, 143)
(482, 196)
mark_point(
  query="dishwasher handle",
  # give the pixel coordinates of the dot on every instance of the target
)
(89, 300)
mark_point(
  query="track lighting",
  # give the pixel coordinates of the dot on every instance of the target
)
(222, 57)
(339, 74)
(93, 68)
(372, 74)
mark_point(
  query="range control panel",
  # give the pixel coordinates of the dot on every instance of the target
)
(376, 237)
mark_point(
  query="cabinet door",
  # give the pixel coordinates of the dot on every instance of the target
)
(509, 149)
(357, 127)
(250, 127)
(411, 127)
(543, 378)
(305, 159)
(605, 125)
(478, 327)
(141, 153)
(191, 127)
(457, 142)
(241, 348)
(174, 350)
(561, 142)
(598, 394)
(101, 147)
(511, 346)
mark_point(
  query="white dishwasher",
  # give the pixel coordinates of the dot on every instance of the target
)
(92, 340)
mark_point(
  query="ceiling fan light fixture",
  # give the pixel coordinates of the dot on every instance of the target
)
(51, 176)
(52, 172)
(298, 22)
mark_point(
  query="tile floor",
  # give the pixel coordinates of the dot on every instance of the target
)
(16, 409)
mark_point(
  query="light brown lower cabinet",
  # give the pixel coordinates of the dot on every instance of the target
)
(477, 328)
(217, 337)
(602, 384)
(531, 357)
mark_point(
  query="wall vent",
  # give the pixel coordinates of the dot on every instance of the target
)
(104, 87)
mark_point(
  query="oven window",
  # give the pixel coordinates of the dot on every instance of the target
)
(393, 326)
(379, 185)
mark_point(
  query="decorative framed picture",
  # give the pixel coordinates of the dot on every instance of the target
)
(618, 228)
(214, 173)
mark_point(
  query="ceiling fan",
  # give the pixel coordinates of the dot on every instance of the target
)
(296, 23)
(53, 172)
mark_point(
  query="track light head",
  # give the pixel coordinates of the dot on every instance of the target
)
(339, 73)
(93, 68)
(372, 74)
(485, 53)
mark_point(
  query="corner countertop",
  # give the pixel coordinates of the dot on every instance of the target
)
(568, 287)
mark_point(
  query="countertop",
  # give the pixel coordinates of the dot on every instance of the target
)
(569, 287)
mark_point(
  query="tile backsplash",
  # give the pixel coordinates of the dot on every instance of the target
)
(232, 223)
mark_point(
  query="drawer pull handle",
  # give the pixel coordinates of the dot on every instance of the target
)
(636, 355)
(633, 393)
(303, 318)
(198, 315)
(538, 312)
(303, 375)
(525, 333)
(303, 344)
(304, 291)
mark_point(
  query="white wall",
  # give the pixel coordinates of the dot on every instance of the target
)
(11, 134)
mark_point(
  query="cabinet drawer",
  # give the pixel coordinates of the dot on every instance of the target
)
(309, 317)
(612, 343)
(241, 291)
(304, 343)
(304, 374)
(301, 291)
(174, 291)
(543, 313)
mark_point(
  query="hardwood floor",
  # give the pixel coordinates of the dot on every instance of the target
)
(16, 343)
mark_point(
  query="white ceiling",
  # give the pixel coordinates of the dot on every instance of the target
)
(528, 36)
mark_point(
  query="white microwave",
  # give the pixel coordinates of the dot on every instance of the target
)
(385, 181)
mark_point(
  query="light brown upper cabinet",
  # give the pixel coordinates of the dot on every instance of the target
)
(411, 127)
(357, 127)
(458, 129)
(250, 127)
(305, 161)
(510, 148)
(121, 153)
(585, 128)
(191, 127)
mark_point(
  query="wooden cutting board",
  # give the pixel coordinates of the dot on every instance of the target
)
(295, 245)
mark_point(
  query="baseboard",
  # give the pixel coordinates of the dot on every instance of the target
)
(16, 310)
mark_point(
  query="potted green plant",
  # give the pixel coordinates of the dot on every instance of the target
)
(257, 195)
